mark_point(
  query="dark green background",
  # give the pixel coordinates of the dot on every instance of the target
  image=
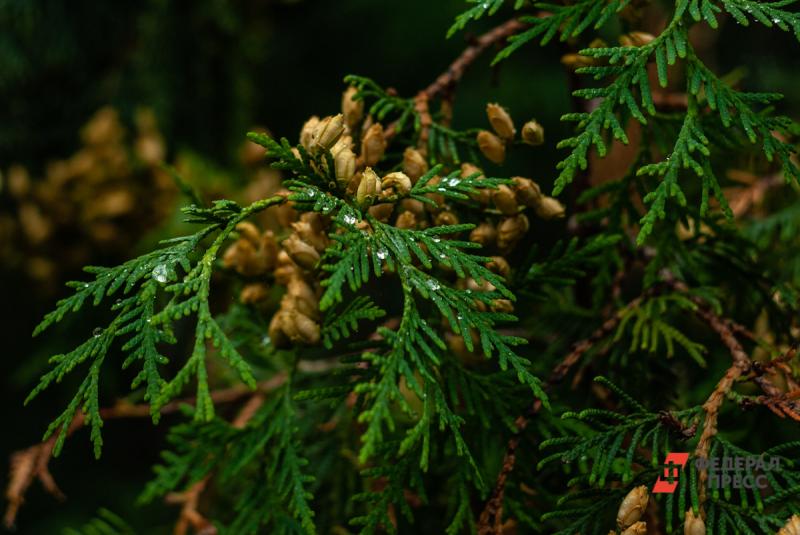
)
(212, 69)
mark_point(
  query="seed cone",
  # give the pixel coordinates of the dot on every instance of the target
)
(501, 121)
(533, 133)
(693, 525)
(353, 110)
(398, 183)
(510, 230)
(636, 39)
(527, 191)
(491, 146)
(792, 527)
(328, 132)
(505, 200)
(369, 188)
(307, 132)
(414, 164)
(549, 208)
(639, 528)
(302, 253)
(373, 145)
(485, 234)
(632, 507)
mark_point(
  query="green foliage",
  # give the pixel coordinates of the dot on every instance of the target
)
(265, 454)
(105, 523)
(629, 95)
(141, 326)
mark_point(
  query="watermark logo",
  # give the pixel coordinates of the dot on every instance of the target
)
(737, 472)
(668, 480)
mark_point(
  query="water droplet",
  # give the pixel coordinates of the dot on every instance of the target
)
(432, 284)
(453, 182)
(349, 219)
(442, 256)
(436, 240)
(311, 193)
(160, 273)
(265, 340)
(97, 332)
(382, 254)
(86, 285)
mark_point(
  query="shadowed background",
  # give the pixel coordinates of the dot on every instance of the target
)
(209, 70)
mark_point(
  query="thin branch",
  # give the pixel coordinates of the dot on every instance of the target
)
(32, 463)
(456, 69)
(490, 521)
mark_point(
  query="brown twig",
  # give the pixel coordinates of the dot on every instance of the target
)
(190, 516)
(491, 519)
(32, 463)
(445, 82)
(456, 69)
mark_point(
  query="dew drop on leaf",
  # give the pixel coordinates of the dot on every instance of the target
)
(160, 273)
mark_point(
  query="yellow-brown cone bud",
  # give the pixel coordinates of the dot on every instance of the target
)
(373, 145)
(575, 61)
(533, 133)
(353, 110)
(491, 146)
(307, 133)
(308, 234)
(502, 305)
(302, 253)
(639, 528)
(446, 218)
(397, 182)
(275, 331)
(636, 39)
(414, 164)
(328, 132)
(369, 188)
(792, 527)
(632, 507)
(382, 212)
(501, 121)
(527, 191)
(549, 208)
(249, 232)
(510, 230)
(299, 327)
(505, 200)
(499, 265)
(693, 525)
(254, 293)
(485, 234)
(406, 220)
(345, 166)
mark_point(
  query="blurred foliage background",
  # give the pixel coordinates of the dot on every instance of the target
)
(120, 86)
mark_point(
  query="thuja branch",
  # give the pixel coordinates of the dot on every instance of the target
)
(490, 521)
(32, 463)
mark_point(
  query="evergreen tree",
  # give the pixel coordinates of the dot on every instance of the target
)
(412, 351)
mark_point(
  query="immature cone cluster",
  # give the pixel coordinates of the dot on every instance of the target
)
(509, 200)
(493, 145)
(255, 254)
(295, 258)
(102, 198)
